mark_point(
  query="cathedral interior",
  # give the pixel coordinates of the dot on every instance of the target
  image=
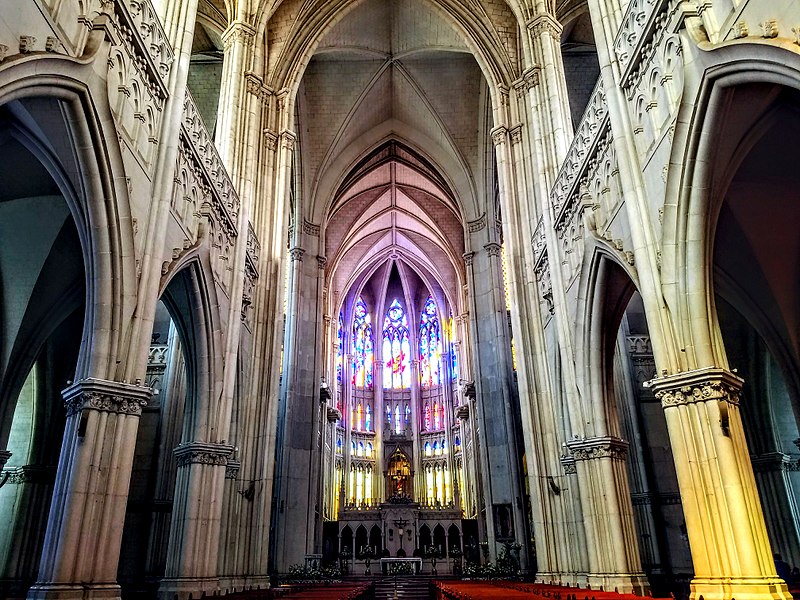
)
(450, 283)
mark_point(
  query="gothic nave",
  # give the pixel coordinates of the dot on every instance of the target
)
(470, 286)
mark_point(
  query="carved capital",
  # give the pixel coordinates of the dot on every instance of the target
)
(30, 474)
(297, 253)
(492, 248)
(4, 456)
(232, 469)
(499, 135)
(322, 261)
(288, 139)
(598, 447)
(469, 389)
(771, 462)
(204, 453)
(333, 414)
(568, 464)
(270, 139)
(468, 258)
(238, 32)
(700, 385)
(105, 396)
(545, 24)
(515, 134)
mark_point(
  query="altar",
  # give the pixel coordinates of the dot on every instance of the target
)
(387, 562)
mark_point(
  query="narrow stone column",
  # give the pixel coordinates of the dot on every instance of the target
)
(614, 562)
(196, 517)
(724, 520)
(84, 529)
(772, 472)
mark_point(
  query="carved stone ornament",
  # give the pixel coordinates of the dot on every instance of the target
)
(468, 258)
(598, 447)
(478, 224)
(492, 249)
(771, 462)
(545, 23)
(232, 469)
(700, 385)
(106, 396)
(568, 463)
(333, 414)
(4, 456)
(29, 474)
(499, 135)
(203, 453)
(297, 253)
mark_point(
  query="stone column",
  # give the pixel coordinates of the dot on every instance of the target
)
(614, 562)
(724, 520)
(196, 518)
(772, 471)
(87, 513)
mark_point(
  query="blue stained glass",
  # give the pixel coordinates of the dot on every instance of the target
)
(363, 350)
(430, 345)
(396, 348)
(368, 419)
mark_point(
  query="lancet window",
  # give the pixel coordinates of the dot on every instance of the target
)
(363, 349)
(430, 345)
(396, 348)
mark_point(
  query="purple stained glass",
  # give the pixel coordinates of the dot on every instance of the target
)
(363, 349)
(430, 345)
(396, 348)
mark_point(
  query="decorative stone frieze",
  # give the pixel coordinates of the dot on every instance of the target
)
(598, 447)
(204, 453)
(478, 224)
(310, 228)
(701, 385)
(105, 396)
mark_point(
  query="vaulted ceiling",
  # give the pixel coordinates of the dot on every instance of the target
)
(392, 114)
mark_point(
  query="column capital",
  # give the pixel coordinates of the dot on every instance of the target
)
(598, 447)
(297, 253)
(232, 469)
(4, 456)
(772, 461)
(205, 453)
(568, 464)
(545, 23)
(699, 385)
(106, 396)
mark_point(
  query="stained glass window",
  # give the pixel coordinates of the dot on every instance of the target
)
(396, 348)
(430, 345)
(408, 415)
(427, 416)
(339, 348)
(437, 418)
(368, 419)
(363, 352)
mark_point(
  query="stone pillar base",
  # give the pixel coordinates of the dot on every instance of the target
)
(623, 583)
(72, 591)
(180, 588)
(578, 580)
(230, 585)
(740, 588)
